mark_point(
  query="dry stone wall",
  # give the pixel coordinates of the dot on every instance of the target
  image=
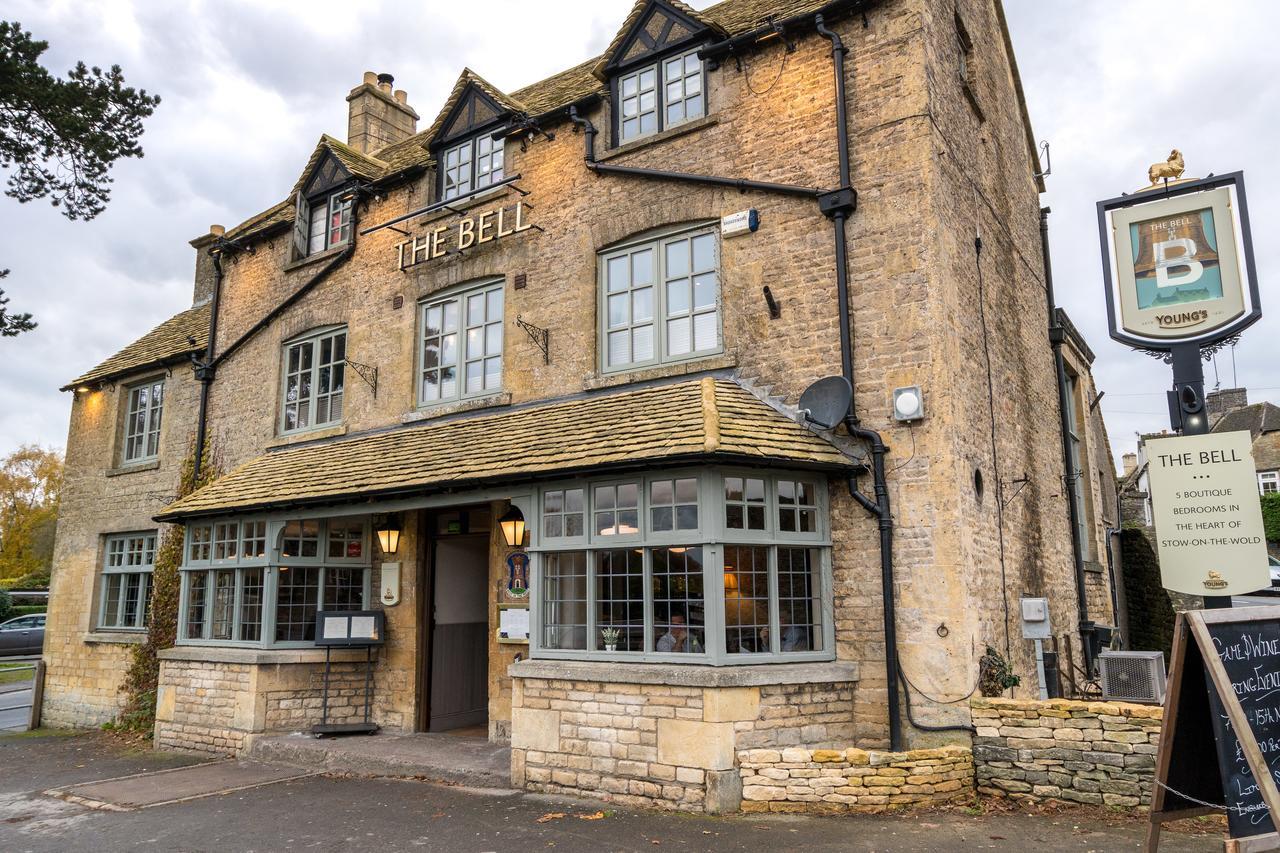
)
(1102, 753)
(810, 780)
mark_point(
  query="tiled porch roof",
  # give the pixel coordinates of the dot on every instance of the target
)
(695, 419)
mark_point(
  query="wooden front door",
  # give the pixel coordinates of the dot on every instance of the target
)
(459, 670)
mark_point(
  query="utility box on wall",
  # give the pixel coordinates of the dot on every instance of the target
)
(1035, 619)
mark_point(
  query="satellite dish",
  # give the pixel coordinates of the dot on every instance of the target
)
(826, 401)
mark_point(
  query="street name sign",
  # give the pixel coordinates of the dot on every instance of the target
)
(1208, 520)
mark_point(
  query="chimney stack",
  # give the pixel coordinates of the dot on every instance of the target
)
(1224, 402)
(378, 114)
(1130, 461)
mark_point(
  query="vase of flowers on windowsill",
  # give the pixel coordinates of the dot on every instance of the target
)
(610, 637)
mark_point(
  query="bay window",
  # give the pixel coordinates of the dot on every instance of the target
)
(705, 566)
(253, 582)
(460, 354)
(660, 300)
(125, 593)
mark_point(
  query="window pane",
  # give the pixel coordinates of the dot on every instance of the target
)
(677, 258)
(679, 612)
(642, 266)
(343, 588)
(746, 599)
(111, 600)
(224, 594)
(799, 603)
(677, 296)
(617, 273)
(296, 595)
(564, 600)
(642, 343)
(641, 304)
(706, 331)
(251, 605)
(620, 598)
(196, 595)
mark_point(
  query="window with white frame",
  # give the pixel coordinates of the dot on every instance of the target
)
(128, 562)
(658, 96)
(142, 421)
(660, 300)
(314, 379)
(329, 224)
(461, 345)
(702, 566)
(471, 165)
(1268, 482)
(251, 582)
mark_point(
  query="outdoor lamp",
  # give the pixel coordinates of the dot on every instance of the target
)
(513, 526)
(389, 533)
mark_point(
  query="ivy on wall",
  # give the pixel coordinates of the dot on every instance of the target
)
(1271, 516)
(142, 679)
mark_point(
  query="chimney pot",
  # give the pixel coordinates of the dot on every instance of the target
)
(371, 78)
(217, 230)
(402, 96)
(385, 82)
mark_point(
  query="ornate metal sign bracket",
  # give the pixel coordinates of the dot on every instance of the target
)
(366, 372)
(541, 337)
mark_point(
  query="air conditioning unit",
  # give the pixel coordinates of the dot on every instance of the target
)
(1133, 676)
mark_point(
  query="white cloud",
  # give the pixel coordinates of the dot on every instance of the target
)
(248, 86)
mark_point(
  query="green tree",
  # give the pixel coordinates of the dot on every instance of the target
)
(30, 485)
(1271, 516)
(60, 136)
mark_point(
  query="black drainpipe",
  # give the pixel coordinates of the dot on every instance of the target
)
(207, 369)
(837, 204)
(1057, 335)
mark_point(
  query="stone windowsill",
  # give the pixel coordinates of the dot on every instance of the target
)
(678, 130)
(228, 654)
(310, 435)
(119, 470)
(127, 638)
(315, 258)
(721, 361)
(432, 412)
(684, 675)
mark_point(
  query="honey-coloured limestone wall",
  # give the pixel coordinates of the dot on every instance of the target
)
(835, 780)
(666, 736)
(1100, 753)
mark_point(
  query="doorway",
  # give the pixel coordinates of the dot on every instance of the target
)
(458, 649)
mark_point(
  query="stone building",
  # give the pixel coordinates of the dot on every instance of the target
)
(588, 308)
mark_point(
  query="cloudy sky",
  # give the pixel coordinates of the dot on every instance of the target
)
(249, 85)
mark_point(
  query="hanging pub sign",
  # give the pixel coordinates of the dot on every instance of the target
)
(1178, 263)
(463, 234)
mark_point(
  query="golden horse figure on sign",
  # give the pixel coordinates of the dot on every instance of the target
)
(1171, 168)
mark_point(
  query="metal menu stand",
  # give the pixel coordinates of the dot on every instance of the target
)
(349, 629)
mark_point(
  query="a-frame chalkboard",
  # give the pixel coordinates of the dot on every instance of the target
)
(1222, 713)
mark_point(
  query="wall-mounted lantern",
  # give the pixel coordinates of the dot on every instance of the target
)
(512, 523)
(389, 533)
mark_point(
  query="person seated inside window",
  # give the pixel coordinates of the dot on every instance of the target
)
(795, 638)
(678, 638)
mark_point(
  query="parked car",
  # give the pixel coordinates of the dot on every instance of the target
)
(22, 635)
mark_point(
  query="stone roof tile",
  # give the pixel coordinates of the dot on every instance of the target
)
(681, 421)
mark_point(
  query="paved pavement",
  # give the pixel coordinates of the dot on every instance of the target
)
(332, 813)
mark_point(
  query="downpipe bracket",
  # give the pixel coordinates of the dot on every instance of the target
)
(843, 200)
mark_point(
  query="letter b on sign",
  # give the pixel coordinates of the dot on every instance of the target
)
(1164, 262)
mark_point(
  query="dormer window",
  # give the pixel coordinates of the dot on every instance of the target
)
(330, 223)
(660, 96)
(471, 166)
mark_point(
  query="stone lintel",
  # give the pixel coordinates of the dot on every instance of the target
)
(226, 654)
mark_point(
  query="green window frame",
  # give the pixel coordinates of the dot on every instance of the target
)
(261, 583)
(460, 343)
(313, 381)
(660, 95)
(142, 421)
(125, 588)
(660, 300)
(697, 591)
